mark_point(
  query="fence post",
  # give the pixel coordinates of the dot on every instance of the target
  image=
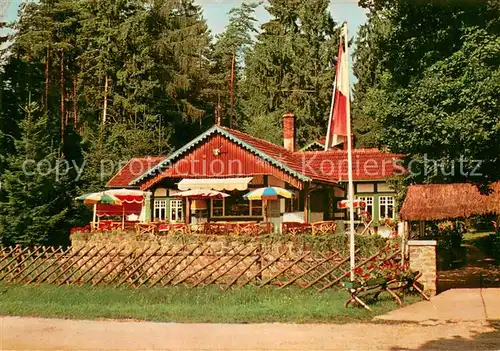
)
(259, 261)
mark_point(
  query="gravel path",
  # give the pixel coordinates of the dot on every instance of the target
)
(50, 334)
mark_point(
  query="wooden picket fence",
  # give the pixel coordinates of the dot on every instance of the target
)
(192, 265)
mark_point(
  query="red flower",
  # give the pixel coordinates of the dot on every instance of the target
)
(366, 276)
(358, 270)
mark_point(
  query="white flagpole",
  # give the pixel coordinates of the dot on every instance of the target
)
(349, 161)
(328, 140)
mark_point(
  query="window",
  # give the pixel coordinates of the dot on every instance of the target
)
(256, 208)
(236, 207)
(160, 210)
(386, 206)
(176, 211)
(369, 205)
(217, 207)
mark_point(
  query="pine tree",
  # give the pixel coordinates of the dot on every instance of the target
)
(37, 187)
(291, 68)
(228, 59)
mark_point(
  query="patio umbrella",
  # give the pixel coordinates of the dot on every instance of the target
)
(269, 193)
(100, 198)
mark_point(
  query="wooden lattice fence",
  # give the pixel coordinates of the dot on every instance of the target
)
(192, 265)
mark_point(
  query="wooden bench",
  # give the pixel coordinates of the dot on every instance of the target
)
(361, 290)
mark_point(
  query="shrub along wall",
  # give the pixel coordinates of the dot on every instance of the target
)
(366, 245)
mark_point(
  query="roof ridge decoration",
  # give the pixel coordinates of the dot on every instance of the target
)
(226, 132)
(358, 151)
(312, 143)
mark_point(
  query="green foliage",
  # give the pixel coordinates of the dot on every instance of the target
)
(449, 240)
(235, 41)
(38, 189)
(434, 85)
(366, 244)
(114, 79)
(290, 69)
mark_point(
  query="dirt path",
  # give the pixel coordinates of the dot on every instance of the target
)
(478, 272)
(45, 334)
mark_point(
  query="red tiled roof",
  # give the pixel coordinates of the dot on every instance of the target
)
(368, 164)
(326, 166)
(277, 152)
(133, 169)
(329, 166)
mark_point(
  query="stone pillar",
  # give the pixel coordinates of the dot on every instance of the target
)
(423, 259)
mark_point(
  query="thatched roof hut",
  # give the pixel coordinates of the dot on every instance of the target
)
(445, 201)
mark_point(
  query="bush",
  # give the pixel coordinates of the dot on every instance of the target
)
(448, 235)
(496, 247)
(366, 244)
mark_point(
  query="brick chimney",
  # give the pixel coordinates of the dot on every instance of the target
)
(289, 132)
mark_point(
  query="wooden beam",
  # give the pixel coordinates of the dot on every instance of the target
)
(306, 202)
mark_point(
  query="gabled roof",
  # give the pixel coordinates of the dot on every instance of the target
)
(324, 166)
(135, 167)
(274, 154)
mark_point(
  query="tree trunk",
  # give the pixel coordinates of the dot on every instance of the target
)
(47, 63)
(104, 111)
(105, 107)
(62, 97)
(232, 91)
(75, 114)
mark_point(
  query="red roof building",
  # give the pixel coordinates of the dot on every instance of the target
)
(234, 162)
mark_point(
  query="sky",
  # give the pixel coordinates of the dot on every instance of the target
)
(216, 13)
(342, 10)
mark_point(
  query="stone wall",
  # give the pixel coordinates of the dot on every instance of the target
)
(200, 259)
(423, 259)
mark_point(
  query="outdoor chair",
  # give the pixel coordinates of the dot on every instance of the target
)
(359, 290)
(146, 228)
(323, 227)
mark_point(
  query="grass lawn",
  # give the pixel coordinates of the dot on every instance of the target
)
(181, 304)
(481, 240)
(471, 237)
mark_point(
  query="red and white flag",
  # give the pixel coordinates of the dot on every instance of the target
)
(337, 124)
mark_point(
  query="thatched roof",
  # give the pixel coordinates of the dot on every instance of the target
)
(445, 201)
